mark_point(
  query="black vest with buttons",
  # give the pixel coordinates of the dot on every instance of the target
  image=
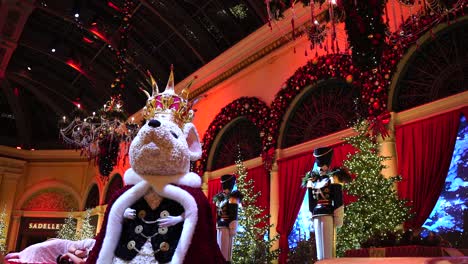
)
(136, 232)
(226, 212)
(324, 197)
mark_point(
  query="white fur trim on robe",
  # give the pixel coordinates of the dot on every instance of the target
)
(162, 185)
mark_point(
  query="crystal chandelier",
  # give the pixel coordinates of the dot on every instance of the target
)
(101, 135)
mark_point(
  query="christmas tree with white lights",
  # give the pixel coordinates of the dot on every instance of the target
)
(252, 243)
(3, 230)
(378, 210)
(87, 229)
(68, 229)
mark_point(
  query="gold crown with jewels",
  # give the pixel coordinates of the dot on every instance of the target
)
(168, 105)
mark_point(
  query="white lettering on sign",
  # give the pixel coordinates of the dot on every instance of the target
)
(44, 226)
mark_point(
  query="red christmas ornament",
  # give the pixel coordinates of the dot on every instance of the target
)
(349, 78)
(376, 105)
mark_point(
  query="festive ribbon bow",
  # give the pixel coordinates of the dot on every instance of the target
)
(267, 158)
(378, 124)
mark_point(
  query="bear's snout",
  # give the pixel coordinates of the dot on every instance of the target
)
(154, 123)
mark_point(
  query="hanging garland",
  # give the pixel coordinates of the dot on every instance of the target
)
(252, 108)
(121, 51)
(365, 28)
(109, 143)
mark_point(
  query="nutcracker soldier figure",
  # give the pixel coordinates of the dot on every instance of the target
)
(325, 201)
(227, 205)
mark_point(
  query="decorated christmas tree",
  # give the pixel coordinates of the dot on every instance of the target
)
(68, 229)
(378, 211)
(252, 243)
(3, 230)
(87, 229)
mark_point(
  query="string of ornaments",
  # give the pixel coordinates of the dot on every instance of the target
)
(109, 147)
(121, 51)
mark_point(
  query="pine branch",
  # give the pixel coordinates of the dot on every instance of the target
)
(3, 230)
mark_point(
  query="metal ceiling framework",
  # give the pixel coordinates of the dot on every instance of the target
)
(39, 85)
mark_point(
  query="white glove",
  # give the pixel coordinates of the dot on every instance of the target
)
(129, 214)
(170, 221)
(338, 216)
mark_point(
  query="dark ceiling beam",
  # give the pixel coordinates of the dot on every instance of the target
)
(105, 44)
(149, 55)
(71, 21)
(53, 81)
(189, 19)
(32, 86)
(22, 115)
(226, 40)
(13, 17)
(232, 17)
(54, 58)
(165, 57)
(258, 10)
(174, 29)
(200, 9)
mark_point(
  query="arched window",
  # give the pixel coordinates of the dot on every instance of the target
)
(322, 109)
(114, 185)
(241, 136)
(93, 197)
(437, 69)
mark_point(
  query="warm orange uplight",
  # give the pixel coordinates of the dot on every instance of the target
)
(74, 65)
(98, 34)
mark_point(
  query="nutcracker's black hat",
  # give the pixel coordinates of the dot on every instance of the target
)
(323, 156)
(228, 181)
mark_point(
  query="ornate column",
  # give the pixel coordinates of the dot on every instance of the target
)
(13, 231)
(79, 221)
(388, 148)
(100, 212)
(205, 178)
(274, 203)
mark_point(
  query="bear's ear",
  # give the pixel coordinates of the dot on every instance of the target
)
(194, 146)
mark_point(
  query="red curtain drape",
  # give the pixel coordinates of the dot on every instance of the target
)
(340, 153)
(214, 187)
(424, 151)
(291, 195)
(261, 179)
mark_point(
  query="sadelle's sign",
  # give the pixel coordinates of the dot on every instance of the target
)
(52, 226)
